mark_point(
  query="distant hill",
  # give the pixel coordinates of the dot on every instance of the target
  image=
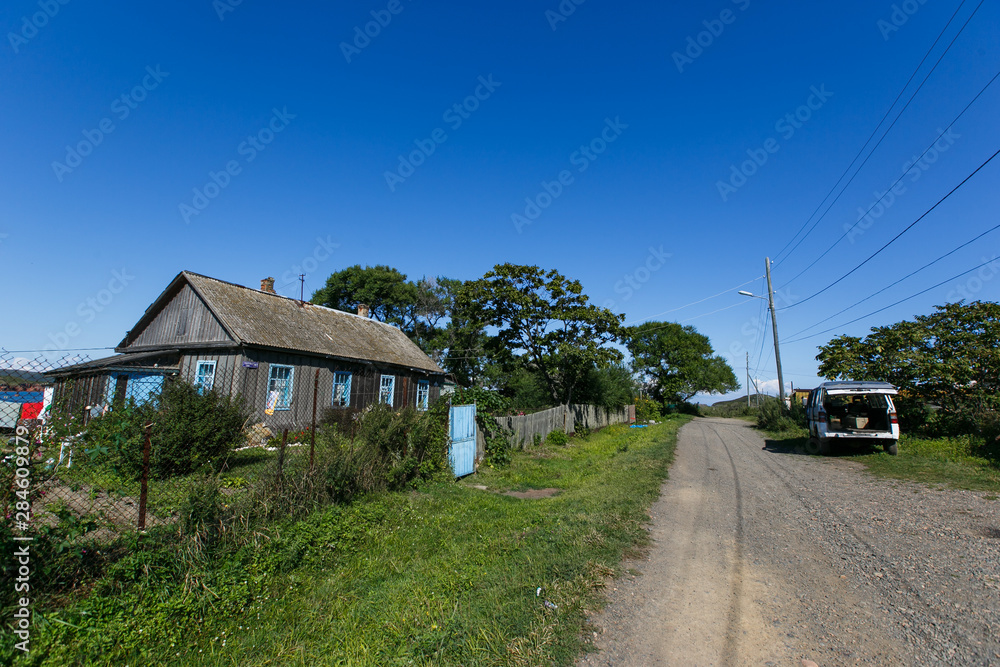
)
(14, 376)
(737, 402)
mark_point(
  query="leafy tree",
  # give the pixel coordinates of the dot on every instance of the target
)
(678, 361)
(428, 320)
(544, 324)
(382, 288)
(949, 359)
(422, 310)
(610, 387)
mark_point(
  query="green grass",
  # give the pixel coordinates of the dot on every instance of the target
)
(446, 574)
(960, 463)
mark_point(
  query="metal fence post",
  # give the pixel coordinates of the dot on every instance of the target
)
(312, 433)
(281, 451)
(144, 482)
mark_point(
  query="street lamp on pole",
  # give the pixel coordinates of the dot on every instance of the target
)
(774, 324)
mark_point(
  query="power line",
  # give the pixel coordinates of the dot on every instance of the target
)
(893, 239)
(762, 314)
(872, 207)
(693, 303)
(698, 317)
(778, 258)
(907, 276)
(763, 339)
(875, 312)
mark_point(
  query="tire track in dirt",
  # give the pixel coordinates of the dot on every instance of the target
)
(735, 576)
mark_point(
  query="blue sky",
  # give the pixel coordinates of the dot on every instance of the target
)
(257, 139)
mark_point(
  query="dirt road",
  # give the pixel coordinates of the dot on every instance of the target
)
(769, 557)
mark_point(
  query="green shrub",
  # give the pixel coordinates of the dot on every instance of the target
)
(499, 451)
(194, 429)
(190, 430)
(773, 416)
(646, 409)
(557, 437)
(343, 420)
(117, 438)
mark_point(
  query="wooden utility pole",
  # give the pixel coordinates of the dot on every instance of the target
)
(774, 325)
(748, 377)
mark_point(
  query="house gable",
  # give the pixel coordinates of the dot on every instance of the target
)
(179, 318)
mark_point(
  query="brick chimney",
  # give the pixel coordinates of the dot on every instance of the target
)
(267, 285)
(363, 310)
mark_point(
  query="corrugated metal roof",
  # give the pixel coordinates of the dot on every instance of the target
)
(274, 321)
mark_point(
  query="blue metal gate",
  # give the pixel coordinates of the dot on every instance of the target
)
(462, 454)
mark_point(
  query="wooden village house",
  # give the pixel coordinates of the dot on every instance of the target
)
(275, 352)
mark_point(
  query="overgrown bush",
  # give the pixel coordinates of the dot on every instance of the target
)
(190, 430)
(557, 437)
(646, 409)
(195, 429)
(343, 420)
(390, 451)
(772, 415)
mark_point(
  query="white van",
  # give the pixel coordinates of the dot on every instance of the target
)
(854, 413)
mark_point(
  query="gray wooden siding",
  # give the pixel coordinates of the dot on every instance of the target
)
(183, 321)
(227, 369)
(252, 383)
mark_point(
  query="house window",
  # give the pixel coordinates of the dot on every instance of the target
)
(204, 376)
(423, 394)
(279, 387)
(341, 390)
(387, 389)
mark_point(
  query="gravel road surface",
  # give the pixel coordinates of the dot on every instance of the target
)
(764, 556)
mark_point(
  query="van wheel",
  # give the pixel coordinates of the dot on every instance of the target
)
(813, 447)
(892, 449)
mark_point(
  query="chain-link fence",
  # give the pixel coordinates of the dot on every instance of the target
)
(97, 451)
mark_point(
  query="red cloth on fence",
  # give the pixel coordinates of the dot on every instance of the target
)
(31, 410)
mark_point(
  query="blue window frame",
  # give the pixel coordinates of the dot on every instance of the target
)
(387, 389)
(423, 394)
(341, 390)
(204, 376)
(279, 387)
